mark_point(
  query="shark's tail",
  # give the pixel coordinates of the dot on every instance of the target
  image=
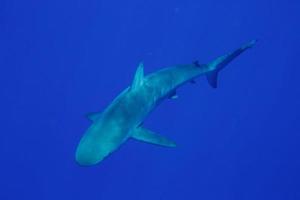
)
(219, 63)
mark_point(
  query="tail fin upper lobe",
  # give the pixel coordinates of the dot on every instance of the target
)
(219, 63)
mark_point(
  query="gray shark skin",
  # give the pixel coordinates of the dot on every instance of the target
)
(123, 118)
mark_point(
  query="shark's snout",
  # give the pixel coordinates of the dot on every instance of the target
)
(87, 153)
(86, 159)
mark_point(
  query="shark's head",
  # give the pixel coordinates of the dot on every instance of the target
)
(88, 152)
(98, 142)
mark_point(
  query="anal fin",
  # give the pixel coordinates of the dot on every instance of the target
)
(148, 136)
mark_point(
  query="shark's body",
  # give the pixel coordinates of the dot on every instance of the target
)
(122, 119)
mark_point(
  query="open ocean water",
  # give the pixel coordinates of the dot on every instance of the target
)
(61, 59)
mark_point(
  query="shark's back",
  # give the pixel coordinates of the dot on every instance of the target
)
(173, 76)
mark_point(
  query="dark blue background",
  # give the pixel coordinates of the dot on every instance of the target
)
(62, 59)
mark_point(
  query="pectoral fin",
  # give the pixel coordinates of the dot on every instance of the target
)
(94, 116)
(148, 136)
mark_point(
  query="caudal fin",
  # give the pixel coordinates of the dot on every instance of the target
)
(212, 78)
(219, 63)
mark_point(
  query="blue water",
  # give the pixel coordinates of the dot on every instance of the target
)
(61, 59)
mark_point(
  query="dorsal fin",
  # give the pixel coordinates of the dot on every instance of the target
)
(138, 77)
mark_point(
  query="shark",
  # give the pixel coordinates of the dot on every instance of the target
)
(123, 118)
